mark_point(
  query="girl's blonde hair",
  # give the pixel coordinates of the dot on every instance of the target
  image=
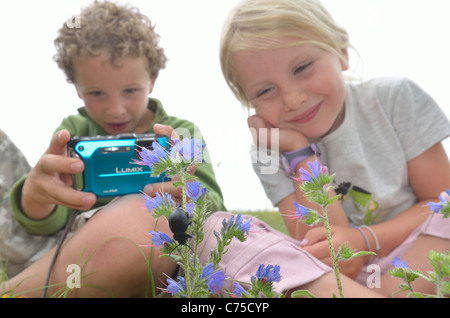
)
(258, 24)
(105, 28)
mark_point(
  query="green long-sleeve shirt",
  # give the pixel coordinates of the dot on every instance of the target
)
(82, 125)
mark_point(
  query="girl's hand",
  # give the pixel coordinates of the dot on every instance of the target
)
(49, 182)
(289, 140)
(316, 243)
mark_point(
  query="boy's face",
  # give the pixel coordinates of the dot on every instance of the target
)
(115, 97)
(297, 87)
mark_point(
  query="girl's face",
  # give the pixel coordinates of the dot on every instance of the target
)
(294, 87)
(116, 98)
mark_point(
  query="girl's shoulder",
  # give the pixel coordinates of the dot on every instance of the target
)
(384, 87)
(391, 94)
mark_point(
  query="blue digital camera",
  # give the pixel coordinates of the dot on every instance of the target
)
(109, 168)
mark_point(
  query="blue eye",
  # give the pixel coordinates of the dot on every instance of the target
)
(96, 93)
(131, 90)
(263, 92)
(302, 68)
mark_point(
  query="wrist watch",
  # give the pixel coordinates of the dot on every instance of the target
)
(290, 160)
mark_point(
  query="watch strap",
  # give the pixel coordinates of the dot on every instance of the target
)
(290, 160)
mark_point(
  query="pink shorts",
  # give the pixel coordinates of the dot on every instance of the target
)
(265, 245)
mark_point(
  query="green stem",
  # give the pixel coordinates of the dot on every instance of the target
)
(150, 277)
(332, 253)
(185, 249)
(438, 285)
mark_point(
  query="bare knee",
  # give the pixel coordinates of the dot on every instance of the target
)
(114, 250)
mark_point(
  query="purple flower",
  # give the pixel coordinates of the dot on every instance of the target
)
(435, 207)
(244, 227)
(215, 281)
(194, 190)
(300, 210)
(207, 270)
(175, 287)
(157, 201)
(270, 273)
(187, 148)
(190, 207)
(160, 238)
(316, 170)
(150, 157)
(305, 176)
(238, 289)
(397, 263)
(443, 198)
(237, 223)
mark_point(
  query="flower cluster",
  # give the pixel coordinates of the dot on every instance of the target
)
(213, 280)
(186, 223)
(268, 273)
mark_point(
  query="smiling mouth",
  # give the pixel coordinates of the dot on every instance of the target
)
(308, 115)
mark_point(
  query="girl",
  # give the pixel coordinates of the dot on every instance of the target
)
(285, 59)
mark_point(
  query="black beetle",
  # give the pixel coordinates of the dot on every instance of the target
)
(178, 224)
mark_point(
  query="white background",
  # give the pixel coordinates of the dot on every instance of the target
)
(392, 38)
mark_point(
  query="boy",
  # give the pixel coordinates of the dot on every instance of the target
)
(113, 60)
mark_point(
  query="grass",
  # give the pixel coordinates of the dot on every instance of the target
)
(273, 218)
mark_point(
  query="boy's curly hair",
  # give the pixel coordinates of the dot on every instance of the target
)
(111, 30)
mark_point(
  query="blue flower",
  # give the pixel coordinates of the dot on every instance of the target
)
(270, 273)
(207, 270)
(315, 168)
(190, 207)
(158, 201)
(305, 176)
(194, 190)
(237, 224)
(238, 289)
(435, 207)
(215, 281)
(244, 227)
(397, 263)
(150, 157)
(159, 238)
(300, 210)
(187, 148)
(175, 287)
(443, 198)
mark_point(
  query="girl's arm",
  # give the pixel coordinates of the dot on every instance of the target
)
(429, 175)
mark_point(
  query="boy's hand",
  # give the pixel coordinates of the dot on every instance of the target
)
(48, 183)
(166, 187)
(289, 140)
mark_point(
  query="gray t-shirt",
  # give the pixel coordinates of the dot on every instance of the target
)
(388, 121)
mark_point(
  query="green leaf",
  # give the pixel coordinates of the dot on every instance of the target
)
(178, 184)
(302, 293)
(331, 200)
